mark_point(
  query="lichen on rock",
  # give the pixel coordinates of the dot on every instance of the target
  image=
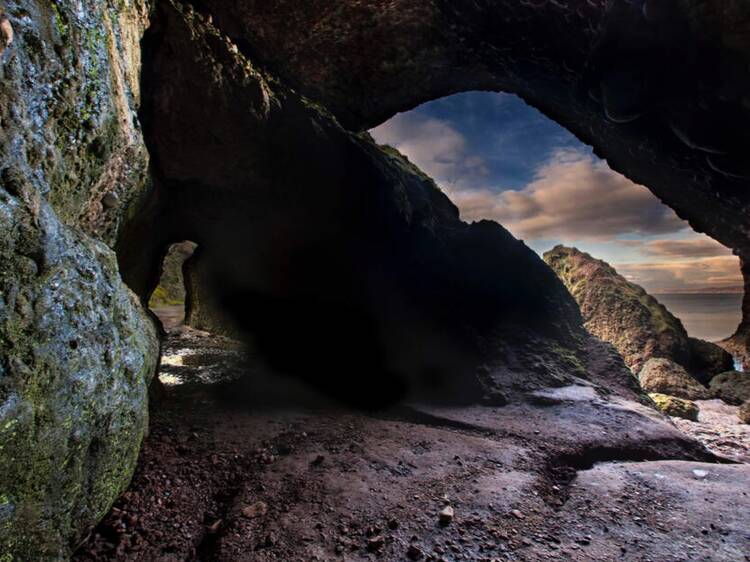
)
(77, 351)
(676, 407)
(69, 92)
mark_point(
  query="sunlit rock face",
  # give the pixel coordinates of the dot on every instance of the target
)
(344, 263)
(76, 349)
(624, 314)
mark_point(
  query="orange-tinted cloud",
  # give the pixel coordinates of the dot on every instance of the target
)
(699, 247)
(713, 272)
(573, 197)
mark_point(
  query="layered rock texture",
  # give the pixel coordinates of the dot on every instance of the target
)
(76, 349)
(624, 314)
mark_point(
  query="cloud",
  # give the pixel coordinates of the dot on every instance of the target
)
(435, 147)
(572, 197)
(699, 247)
(720, 271)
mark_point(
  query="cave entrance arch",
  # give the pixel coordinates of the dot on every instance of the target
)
(498, 158)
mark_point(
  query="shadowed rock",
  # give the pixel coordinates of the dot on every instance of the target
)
(663, 376)
(340, 260)
(732, 387)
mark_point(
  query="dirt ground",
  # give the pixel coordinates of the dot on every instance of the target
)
(241, 467)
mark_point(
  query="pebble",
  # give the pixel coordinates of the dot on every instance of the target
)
(111, 200)
(254, 511)
(446, 515)
(517, 514)
(414, 552)
(375, 543)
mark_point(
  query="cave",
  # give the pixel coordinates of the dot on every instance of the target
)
(466, 371)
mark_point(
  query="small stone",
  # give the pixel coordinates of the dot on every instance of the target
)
(375, 543)
(254, 511)
(517, 514)
(110, 200)
(214, 527)
(6, 32)
(700, 474)
(446, 515)
(318, 460)
(393, 524)
(414, 552)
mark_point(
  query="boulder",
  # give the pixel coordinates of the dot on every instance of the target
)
(663, 376)
(624, 314)
(708, 360)
(77, 351)
(77, 355)
(732, 387)
(676, 407)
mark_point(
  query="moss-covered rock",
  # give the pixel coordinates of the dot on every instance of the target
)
(76, 349)
(625, 315)
(676, 407)
(663, 376)
(76, 356)
(732, 387)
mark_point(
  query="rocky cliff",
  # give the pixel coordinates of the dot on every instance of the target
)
(624, 314)
(76, 349)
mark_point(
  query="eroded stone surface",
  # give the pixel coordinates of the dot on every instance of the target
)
(76, 350)
(77, 354)
(337, 484)
(69, 90)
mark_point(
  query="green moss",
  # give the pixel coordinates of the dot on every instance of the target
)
(675, 407)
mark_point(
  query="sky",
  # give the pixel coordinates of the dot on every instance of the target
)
(497, 158)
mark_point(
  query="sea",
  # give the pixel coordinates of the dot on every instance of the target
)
(708, 316)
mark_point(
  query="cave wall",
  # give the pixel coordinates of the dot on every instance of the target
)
(660, 88)
(77, 351)
(341, 260)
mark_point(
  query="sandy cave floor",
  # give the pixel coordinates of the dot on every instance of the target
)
(233, 473)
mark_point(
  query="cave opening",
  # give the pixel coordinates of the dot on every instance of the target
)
(499, 158)
(169, 300)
